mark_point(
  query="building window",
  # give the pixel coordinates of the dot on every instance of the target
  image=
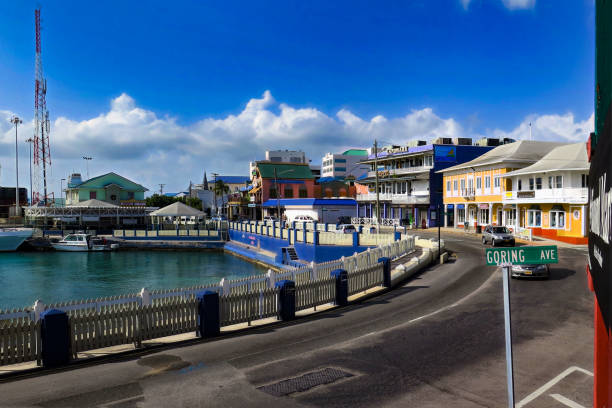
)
(339, 168)
(272, 193)
(539, 183)
(531, 184)
(585, 180)
(557, 219)
(340, 160)
(303, 193)
(559, 181)
(448, 189)
(130, 195)
(460, 215)
(520, 185)
(534, 218)
(462, 184)
(478, 183)
(288, 193)
(550, 182)
(455, 187)
(428, 160)
(496, 181)
(487, 182)
(92, 195)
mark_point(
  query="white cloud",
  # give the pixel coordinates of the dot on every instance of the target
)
(519, 4)
(509, 4)
(149, 149)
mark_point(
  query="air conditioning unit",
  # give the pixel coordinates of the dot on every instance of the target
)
(415, 143)
(507, 140)
(487, 141)
(443, 141)
(462, 141)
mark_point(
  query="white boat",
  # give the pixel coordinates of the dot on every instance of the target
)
(83, 243)
(11, 238)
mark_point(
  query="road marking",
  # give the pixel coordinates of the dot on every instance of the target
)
(550, 384)
(566, 401)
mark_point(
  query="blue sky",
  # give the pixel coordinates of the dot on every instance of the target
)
(144, 87)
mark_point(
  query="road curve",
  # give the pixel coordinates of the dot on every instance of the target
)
(435, 341)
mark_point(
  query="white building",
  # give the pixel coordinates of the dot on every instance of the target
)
(344, 164)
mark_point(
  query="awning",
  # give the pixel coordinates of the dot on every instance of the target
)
(460, 206)
(450, 206)
(483, 206)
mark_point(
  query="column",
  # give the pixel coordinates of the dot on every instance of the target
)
(491, 214)
(455, 216)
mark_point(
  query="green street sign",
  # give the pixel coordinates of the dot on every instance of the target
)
(527, 255)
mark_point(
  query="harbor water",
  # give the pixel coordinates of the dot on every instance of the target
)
(63, 276)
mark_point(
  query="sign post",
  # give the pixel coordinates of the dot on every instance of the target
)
(506, 257)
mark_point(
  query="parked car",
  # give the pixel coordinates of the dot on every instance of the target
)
(302, 218)
(345, 219)
(345, 229)
(497, 236)
(530, 271)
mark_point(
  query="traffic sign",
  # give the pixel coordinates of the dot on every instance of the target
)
(527, 255)
(252, 205)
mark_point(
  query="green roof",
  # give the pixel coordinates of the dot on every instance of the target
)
(356, 152)
(111, 178)
(284, 170)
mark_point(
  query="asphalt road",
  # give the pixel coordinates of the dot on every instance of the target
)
(436, 341)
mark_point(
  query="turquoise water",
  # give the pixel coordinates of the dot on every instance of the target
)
(61, 276)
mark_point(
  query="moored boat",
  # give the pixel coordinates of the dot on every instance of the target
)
(83, 243)
(11, 238)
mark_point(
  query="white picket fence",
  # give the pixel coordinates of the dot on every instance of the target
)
(315, 293)
(246, 307)
(366, 278)
(19, 341)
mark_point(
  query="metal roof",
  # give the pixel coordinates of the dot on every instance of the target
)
(309, 202)
(568, 157)
(177, 209)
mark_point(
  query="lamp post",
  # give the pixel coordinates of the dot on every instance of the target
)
(87, 160)
(30, 141)
(62, 189)
(215, 192)
(15, 120)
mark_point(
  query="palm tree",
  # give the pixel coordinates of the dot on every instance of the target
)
(221, 189)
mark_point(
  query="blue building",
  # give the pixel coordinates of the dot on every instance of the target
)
(409, 188)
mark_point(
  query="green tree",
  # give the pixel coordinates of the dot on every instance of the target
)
(160, 201)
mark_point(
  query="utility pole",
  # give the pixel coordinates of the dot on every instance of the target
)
(16, 121)
(377, 192)
(215, 192)
(87, 160)
(161, 189)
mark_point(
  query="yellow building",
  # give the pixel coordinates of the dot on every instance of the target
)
(474, 191)
(551, 195)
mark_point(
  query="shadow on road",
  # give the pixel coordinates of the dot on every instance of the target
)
(560, 273)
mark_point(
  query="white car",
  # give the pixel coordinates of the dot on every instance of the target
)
(345, 229)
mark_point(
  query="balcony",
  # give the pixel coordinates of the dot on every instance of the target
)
(576, 195)
(468, 193)
(400, 172)
(417, 197)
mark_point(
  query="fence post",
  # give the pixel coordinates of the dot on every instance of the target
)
(313, 271)
(145, 297)
(274, 229)
(355, 239)
(55, 337)
(326, 227)
(286, 299)
(271, 277)
(397, 236)
(341, 277)
(386, 271)
(208, 314)
(315, 237)
(38, 308)
(225, 286)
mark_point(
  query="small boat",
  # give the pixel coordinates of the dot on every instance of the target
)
(11, 238)
(83, 243)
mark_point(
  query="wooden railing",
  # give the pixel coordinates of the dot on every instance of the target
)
(19, 341)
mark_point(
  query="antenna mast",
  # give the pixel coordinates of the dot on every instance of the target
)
(42, 152)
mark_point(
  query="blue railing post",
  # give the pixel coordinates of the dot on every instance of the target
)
(360, 229)
(305, 233)
(341, 277)
(355, 239)
(208, 314)
(274, 229)
(397, 236)
(386, 271)
(55, 338)
(286, 299)
(315, 237)
(326, 227)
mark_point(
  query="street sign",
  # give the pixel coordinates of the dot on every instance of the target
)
(252, 205)
(527, 255)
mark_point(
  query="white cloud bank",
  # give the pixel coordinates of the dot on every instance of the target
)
(149, 149)
(509, 4)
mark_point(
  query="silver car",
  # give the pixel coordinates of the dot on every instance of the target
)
(530, 271)
(497, 236)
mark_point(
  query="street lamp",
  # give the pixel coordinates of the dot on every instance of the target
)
(215, 191)
(17, 122)
(62, 189)
(87, 160)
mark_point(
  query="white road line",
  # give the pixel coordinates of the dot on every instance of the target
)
(566, 401)
(550, 384)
